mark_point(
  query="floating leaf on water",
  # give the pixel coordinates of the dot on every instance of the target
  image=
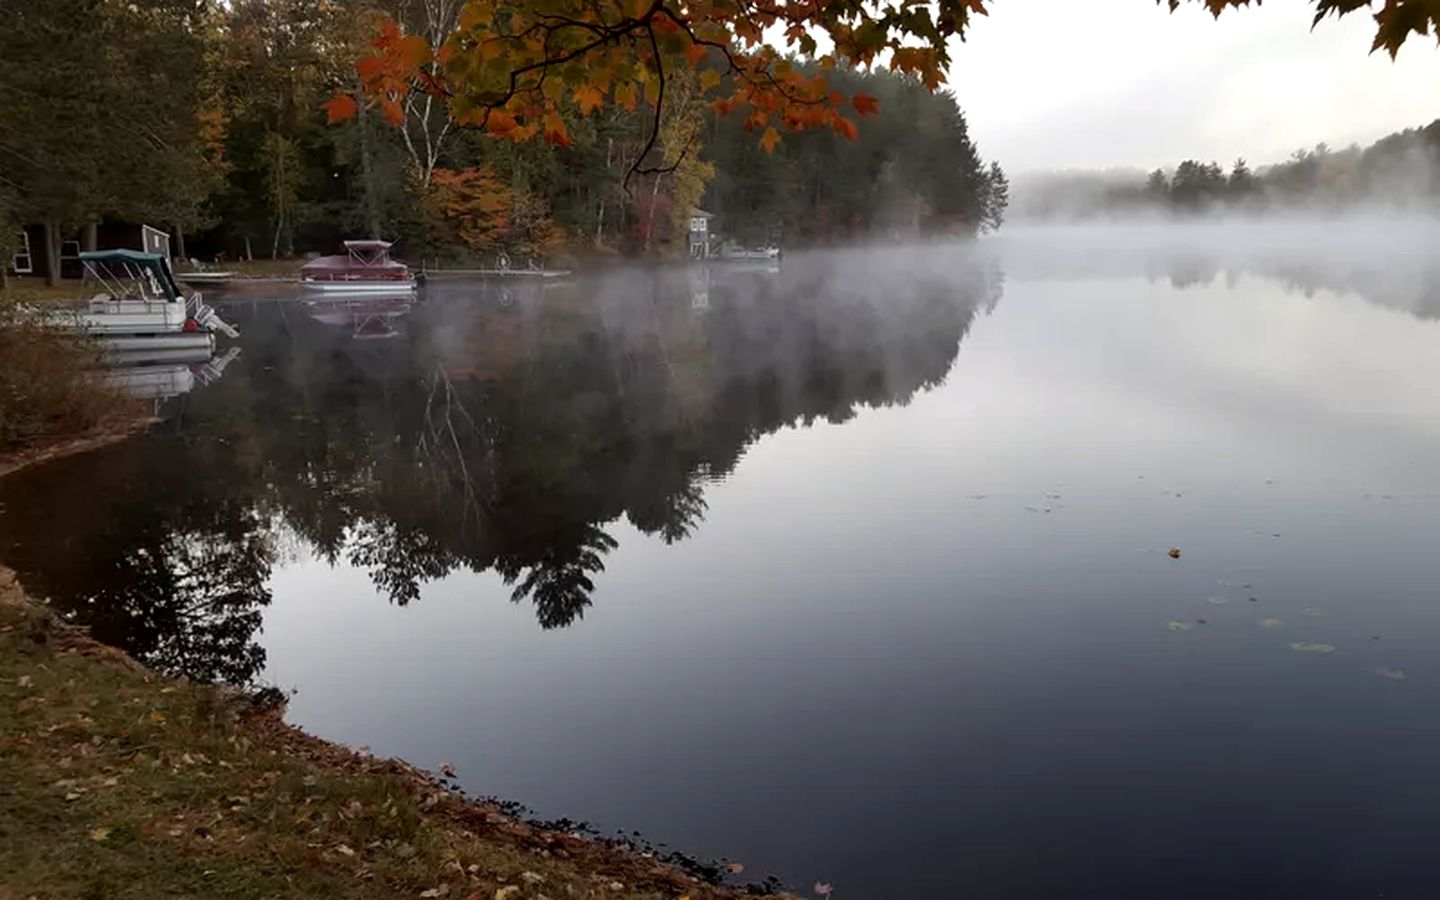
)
(1312, 648)
(1313, 612)
(1174, 552)
(1217, 601)
(1179, 626)
(1392, 674)
(1272, 623)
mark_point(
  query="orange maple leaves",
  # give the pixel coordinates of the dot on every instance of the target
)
(513, 69)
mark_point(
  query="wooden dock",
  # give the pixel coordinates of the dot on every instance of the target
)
(493, 273)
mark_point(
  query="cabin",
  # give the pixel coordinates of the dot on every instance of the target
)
(31, 254)
(699, 244)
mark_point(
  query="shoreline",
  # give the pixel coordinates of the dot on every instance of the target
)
(142, 784)
(49, 450)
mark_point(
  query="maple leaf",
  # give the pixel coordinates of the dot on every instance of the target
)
(340, 108)
(625, 95)
(769, 139)
(865, 104)
(588, 98)
(556, 134)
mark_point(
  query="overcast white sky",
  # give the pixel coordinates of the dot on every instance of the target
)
(1054, 84)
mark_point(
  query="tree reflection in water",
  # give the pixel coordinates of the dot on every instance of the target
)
(488, 436)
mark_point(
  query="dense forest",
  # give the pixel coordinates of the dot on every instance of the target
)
(209, 119)
(1398, 172)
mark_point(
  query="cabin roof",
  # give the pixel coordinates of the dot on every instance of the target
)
(119, 255)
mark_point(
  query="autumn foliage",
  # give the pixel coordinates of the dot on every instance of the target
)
(511, 68)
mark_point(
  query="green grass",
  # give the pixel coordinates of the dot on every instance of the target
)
(117, 783)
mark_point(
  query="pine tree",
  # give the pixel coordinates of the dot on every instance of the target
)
(997, 198)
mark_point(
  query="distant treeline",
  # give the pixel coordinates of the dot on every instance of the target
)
(207, 118)
(1400, 171)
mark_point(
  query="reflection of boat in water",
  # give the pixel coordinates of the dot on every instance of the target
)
(142, 309)
(366, 267)
(164, 375)
(369, 317)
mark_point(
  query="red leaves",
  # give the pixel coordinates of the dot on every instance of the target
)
(769, 139)
(340, 108)
(865, 104)
(845, 127)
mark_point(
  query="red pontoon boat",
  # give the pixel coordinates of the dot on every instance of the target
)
(366, 267)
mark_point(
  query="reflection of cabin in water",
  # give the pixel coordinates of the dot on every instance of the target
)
(32, 257)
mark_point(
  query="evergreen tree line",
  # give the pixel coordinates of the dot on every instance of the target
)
(208, 119)
(1399, 172)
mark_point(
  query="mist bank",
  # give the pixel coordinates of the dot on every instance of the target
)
(1399, 173)
(1389, 259)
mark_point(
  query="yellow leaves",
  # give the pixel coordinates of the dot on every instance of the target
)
(709, 79)
(98, 834)
(625, 95)
(156, 717)
(588, 98)
(770, 139)
(340, 108)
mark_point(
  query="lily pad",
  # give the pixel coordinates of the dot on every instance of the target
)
(1179, 626)
(1272, 623)
(1312, 648)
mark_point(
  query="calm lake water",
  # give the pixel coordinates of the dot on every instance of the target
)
(855, 572)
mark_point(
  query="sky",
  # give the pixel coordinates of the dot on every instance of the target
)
(1093, 84)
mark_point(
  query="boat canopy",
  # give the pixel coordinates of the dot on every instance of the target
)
(147, 273)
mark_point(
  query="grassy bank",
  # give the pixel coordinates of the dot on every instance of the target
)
(52, 396)
(117, 783)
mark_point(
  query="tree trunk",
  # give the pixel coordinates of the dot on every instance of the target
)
(249, 253)
(52, 253)
(179, 242)
(367, 173)
(92, 235)
(650, 218)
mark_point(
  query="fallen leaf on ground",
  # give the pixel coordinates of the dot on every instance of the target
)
(531, 877)
(99, 834)
(24, 681)
(440, 891)
(505, 893)
(345, 851)
(157, 717)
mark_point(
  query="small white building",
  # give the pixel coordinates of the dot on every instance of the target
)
(700, 233)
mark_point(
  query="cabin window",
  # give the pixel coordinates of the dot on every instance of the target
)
(23, 263)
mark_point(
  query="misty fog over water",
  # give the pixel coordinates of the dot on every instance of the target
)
(856, 569)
